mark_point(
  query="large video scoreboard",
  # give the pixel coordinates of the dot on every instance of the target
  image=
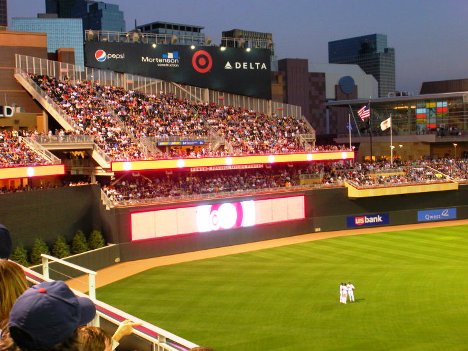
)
(231, 70)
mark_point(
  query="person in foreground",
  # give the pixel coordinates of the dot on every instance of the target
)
(5, 243)
(12, 284)
(46, 317)
(95, 339)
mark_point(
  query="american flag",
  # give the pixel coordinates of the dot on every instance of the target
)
(364, 112)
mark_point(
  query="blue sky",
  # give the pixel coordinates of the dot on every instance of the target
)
(429, 36)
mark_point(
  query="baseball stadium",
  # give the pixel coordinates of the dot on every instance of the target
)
(226, 223)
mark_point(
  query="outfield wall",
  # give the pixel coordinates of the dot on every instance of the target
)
(63, 211)
(325, 210)
(48, 213)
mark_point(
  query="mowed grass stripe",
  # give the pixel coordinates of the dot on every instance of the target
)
(414, 243)
(286, 298)
(404, 247)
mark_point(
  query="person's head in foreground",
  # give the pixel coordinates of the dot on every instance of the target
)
(94, 339)
(12, 284)
(5, 243)
(46, 317)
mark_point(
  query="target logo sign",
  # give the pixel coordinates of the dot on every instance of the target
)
(225, 216)
(202, 61)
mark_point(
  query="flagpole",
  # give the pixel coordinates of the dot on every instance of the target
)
(370, 131)
(349, 129)
(391, 141)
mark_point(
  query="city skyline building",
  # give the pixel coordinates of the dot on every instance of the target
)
(96, 15)
(3, 13)
(372, 54)
(241, 38)
(312, 86)
(103, 16)
(177, 33)
(61, 33)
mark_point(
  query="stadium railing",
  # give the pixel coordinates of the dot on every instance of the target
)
(42, 151)
(145, 337)
(152, 86)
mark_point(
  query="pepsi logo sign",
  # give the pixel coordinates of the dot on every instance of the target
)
(100, 55)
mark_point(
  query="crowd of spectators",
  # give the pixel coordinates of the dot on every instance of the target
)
(83, 102)
(117, 117)
(178, 185)
(133, 188)
(15, 153)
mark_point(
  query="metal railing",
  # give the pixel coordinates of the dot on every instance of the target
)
(156, 38)
(219, 195)
(152, 86)
(47, 98)
(106, 201)
(146, 336)
(42, 151)
(64, 139)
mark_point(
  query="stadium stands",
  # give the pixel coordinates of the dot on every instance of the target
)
(118, 119)
(14, 152)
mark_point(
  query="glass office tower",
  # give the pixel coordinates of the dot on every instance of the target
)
(61, 33)
(371, 53)
(103, 16)
(96, 15)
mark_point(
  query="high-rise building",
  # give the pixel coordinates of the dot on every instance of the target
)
(3, 13)
(103, 16)
(177, 33)
(96, 15)
(61, 33)
(240, 38)
(371, 53)
(312, 86)
(63, 8)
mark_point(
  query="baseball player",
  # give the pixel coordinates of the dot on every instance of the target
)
(343, 293)
(350, 291)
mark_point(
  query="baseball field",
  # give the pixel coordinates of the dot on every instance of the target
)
(411, 294)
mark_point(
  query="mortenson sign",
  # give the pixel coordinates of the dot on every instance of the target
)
(232, 70)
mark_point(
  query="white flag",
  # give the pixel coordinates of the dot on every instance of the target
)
(386, 124)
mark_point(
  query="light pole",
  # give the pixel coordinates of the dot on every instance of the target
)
(455, 150)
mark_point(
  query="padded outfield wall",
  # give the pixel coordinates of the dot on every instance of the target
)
(63, 211)
(324, 210)
(48, 213)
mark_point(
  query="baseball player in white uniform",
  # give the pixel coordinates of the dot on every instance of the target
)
(350, 290)
(343, 293)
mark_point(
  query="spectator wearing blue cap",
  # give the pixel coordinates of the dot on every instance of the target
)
(5, 243)
(46, 317)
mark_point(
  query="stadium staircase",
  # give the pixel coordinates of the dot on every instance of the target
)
(47, 103)
(39, 149)
(65, 122)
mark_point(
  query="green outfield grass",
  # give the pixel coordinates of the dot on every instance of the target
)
(411, 292)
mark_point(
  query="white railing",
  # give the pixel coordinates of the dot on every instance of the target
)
(152, 86)
(47, 98)
(91, 274)
(147, 336)
(42, 151)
